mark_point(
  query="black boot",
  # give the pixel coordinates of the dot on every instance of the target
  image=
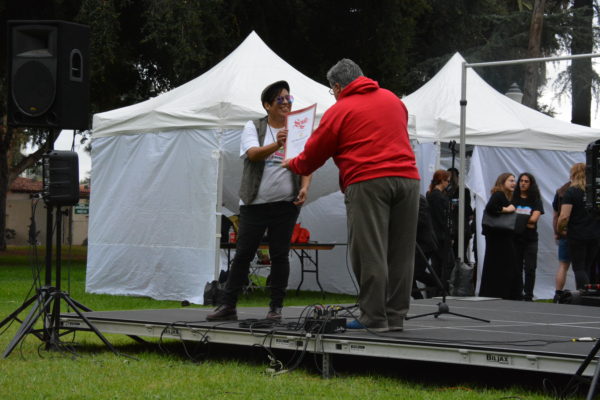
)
(224, 312)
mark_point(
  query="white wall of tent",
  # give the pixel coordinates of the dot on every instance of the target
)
(160, 169)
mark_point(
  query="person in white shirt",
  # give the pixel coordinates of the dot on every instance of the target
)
(270, 197)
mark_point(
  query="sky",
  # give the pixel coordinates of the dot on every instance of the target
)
(562, 105)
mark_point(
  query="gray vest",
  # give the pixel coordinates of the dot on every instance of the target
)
(253, 170)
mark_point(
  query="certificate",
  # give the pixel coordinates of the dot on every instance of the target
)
(299, 125)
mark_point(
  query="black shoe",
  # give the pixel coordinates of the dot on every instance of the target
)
(274, 313)
(558, 296)
(224, 312)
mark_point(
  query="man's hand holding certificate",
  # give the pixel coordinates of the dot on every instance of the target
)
(299, 125)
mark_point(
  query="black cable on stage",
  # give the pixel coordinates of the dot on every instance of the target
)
(257, 323)
(296, 358)
(276, 365)
(324, 314)
(203, 340)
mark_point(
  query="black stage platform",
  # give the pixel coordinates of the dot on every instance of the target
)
(521, 335)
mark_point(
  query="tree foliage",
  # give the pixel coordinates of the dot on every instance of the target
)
(141, 48)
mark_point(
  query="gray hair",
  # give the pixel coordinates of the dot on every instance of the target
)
(344, 72)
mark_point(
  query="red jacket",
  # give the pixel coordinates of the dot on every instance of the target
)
(365, 133)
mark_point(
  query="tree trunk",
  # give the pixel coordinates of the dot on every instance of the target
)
(8, 174)
(532, 70)
(5, 139)
(581, 70)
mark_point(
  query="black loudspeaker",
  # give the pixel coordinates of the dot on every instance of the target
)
(48, 74)
(61, 178)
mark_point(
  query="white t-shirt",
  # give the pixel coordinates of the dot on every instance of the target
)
(277, 183)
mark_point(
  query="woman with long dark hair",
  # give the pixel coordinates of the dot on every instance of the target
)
(499, 277)
(439, 205)
(582, 228)
(529, 207)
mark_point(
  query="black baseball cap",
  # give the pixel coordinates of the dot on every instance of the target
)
(270, 92)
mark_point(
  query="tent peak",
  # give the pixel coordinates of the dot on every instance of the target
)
(457, 56)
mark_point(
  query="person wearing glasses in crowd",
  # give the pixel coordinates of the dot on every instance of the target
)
(270, 197)
(365, 132)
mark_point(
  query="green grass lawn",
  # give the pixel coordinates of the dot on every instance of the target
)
(87, 370)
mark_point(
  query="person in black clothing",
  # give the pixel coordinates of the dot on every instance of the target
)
(564, 259)
(529, 207)
(500, 277)
(439, 206)
(452, 191)
(582, 228)
(427, 242)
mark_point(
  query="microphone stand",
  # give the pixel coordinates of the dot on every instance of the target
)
(452, 146)
(443, 308)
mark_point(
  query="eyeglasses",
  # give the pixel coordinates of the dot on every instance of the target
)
(289, 98)
(331, 91)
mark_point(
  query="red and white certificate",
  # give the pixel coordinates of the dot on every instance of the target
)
(300, 126)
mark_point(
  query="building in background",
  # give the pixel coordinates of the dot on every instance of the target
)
(25, 205)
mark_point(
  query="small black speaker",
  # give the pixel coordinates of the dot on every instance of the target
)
(61, 178)
(48, 74)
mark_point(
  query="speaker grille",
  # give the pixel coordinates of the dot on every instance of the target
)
(33, 89)
(48, 74)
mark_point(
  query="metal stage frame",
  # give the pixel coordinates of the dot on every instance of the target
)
(529, 336)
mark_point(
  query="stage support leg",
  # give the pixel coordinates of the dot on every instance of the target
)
(327, 366)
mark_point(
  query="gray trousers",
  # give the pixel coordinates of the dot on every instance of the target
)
(382, 227)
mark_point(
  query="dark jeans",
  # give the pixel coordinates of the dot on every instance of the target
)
(279, 219)
(526, 261)
(583, 255)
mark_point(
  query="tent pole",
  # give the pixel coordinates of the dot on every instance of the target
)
(532, 60)
(219, 210)
(462, 152)
(463, 118)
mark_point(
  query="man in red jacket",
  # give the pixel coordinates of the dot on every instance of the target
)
(366, 134)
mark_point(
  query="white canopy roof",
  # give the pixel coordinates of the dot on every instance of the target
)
(223, 97)
(492, 118)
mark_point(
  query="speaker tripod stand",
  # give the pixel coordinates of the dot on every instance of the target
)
(443, 307)
(46, 303)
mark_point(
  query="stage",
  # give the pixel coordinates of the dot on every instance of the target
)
(528, 336)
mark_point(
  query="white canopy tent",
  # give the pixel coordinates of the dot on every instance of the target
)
(508, 137)
(157, 168)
